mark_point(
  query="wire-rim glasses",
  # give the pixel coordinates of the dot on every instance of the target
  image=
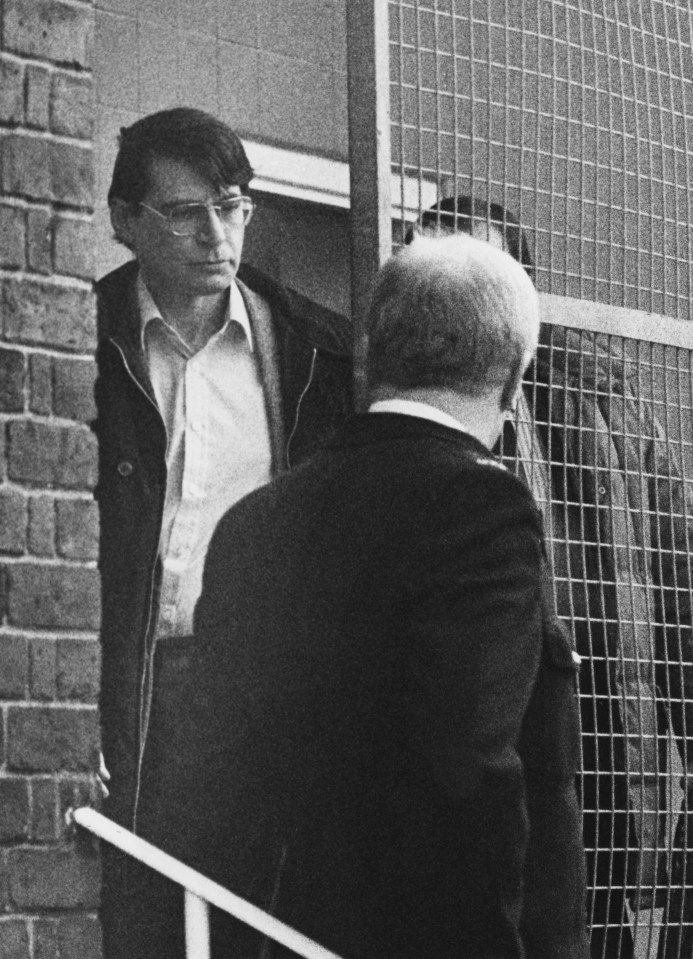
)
(190, 219)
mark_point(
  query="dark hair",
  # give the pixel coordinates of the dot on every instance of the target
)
(456, 214)
(190, 136)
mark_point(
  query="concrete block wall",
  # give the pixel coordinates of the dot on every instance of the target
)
(49, 593)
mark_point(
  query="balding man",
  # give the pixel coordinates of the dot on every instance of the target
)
(388, 703)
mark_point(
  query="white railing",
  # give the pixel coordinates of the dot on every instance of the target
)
(200, 892)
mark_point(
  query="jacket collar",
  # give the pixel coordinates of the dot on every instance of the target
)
(368, 428)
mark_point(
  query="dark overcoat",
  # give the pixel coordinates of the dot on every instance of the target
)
(383, 710)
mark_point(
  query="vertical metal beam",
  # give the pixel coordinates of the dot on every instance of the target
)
(196, 927)
(369, 158)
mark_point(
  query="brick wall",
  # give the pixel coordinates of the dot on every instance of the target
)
(49, 595)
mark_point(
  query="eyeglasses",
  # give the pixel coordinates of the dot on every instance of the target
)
(189, 219)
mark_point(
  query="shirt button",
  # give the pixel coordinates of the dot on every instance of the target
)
(125, 468)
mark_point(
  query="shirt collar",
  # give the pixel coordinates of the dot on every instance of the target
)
(415, 408)
(236, 312)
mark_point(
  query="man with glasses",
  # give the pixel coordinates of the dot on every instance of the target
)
(211, 380)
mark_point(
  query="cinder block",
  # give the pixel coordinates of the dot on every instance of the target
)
(77, 529)
(72, 106)
(14, 938)
(40, 384)
(42, 669)
(72, 174)
(73, 247)
(14, 671)
(48, 739)
(117, 54)
(39, 252)
(73, 388)
(50, 30)
(12, 382)
(38, 84)
(15, 812)
(49, 314)
(14, 518)
(11, 91)
(44, 810)
(42, 596)
(78, 670)
(53, 879)
(12, 236)
(26, 167)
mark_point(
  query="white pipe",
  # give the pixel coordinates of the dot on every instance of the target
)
(196, 883)
(196, 927)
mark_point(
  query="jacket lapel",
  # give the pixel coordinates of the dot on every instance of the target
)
(266, 344)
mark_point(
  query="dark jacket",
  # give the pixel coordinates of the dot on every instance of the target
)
(308, 396)
(387, 734)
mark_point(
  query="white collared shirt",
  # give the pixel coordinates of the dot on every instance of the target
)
(415, 408)
(213, 406)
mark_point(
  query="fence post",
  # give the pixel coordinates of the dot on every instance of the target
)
(196, 927)
(369, 158)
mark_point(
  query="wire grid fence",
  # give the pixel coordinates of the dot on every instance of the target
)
(577, 117)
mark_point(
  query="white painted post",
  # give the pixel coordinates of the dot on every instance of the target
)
(196, 927)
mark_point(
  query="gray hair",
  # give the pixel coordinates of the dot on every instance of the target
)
(451, 311)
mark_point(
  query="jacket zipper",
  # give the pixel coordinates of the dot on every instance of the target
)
(146, 681)
(298, 407)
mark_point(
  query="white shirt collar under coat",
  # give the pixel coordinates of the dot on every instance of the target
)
(415, 408)
(236, 311)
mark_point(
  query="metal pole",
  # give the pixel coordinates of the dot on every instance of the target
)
(196, 927)
(369, 159)
(196, 883)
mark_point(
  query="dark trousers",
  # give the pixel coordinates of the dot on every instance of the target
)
(142, 911)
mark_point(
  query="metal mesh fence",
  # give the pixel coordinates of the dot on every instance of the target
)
(577, 116)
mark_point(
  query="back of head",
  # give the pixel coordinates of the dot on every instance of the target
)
(189, 136)
(451, 312)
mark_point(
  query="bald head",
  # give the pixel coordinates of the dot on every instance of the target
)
(452, 312)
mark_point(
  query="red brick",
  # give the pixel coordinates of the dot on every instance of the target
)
(53, 879)
(40, 384)
(12, 236)
(44, 454)
(73, 389)
(47, 739)
(15, 810)
(14, 674)
(12, 380)
(39, 240)
(26, 167)
(73, 247)
(72, 174)
(77, 529)
(68, 937)
(11, 91)
(42, 526)
(44, 810)
(42, 668)
(62, 597)
(14, 938)
(13, 521)
(49, 30)
(78, 670)
(72, 106)
(49, 314)
(38, 84)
